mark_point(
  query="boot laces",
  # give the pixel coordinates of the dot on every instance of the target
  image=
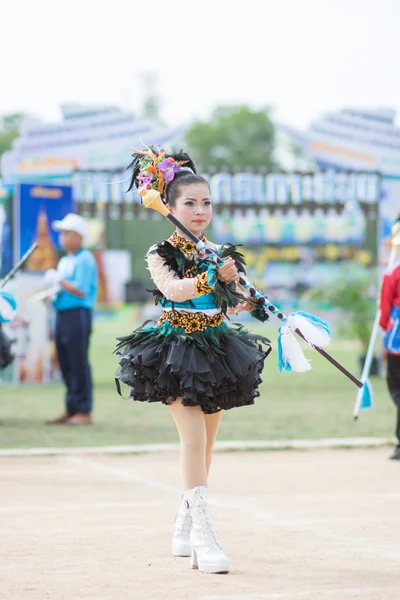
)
(183, 520)
(208, 528)
(184, 524)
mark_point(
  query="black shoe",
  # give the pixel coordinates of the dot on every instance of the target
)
(395, 455)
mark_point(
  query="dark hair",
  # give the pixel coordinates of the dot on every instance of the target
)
(173, 189)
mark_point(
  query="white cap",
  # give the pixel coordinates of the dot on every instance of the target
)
(72, 222)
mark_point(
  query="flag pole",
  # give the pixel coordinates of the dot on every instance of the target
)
(19, 264)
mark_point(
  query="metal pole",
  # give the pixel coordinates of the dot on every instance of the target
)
(19, 264)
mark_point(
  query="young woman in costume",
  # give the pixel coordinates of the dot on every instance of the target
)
(192, 360)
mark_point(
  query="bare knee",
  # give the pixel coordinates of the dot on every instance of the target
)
(195, 443)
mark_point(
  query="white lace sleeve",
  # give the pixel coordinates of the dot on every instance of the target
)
(168, 282)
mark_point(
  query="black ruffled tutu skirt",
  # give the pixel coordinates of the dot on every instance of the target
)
(216, 369)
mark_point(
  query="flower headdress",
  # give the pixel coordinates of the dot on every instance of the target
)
(154, 170)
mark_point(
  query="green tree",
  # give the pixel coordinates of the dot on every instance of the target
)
(300, 158)
(235, 136)
(9, 130)
(354, 297)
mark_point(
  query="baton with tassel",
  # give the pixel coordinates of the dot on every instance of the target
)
(291, 356)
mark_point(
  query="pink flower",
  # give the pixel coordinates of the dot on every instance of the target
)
(169, 169)
(145, 179)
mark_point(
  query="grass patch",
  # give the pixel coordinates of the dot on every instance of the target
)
(312, 405)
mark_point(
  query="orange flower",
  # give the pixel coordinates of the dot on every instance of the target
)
(171, 159)
(151, 169)
(146, 153)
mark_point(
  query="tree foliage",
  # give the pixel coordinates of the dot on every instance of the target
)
(354, 297)
(235, 136)
(9, 130)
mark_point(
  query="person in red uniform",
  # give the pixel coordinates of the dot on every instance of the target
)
(390, 322)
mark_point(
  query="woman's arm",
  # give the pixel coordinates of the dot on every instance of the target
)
(169, 283)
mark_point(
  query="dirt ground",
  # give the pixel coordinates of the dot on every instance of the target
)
(296, 525)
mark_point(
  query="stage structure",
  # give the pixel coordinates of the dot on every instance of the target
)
(292, 225)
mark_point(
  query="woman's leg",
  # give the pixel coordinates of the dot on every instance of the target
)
(194, 428)
(212, 424)
(191, 427)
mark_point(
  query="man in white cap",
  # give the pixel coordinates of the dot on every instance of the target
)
(77, 281)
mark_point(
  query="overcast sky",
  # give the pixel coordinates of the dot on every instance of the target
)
(303, 57)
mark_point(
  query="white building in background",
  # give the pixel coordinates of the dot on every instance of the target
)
(353, 138)
(357, 139)
(88, 137)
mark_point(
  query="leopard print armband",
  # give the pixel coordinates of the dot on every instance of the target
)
(202, 285)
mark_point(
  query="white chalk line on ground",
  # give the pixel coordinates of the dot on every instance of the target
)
(308, 594)
(220, 446)
(249, 509)
(345, 497)
(328, 529)
(129, 476)
(67, 507)
(80, 531)
(120, 473)
(319, 527)
(16, 567)
(272, 517)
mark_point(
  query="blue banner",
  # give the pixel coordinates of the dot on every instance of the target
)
(39, 207)
(6, 248)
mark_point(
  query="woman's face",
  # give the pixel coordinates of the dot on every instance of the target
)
(193, 207)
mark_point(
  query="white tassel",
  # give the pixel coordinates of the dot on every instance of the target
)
(313, 334)
(292, 353)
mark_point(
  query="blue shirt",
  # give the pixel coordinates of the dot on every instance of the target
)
(80, 269)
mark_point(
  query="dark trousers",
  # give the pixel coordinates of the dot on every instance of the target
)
(73, 329)
(393, 381)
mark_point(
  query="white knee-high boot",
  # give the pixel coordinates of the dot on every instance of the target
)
(181, 545)
(207, 556)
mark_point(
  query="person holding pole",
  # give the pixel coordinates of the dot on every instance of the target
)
(390, 322)
(192, 360)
